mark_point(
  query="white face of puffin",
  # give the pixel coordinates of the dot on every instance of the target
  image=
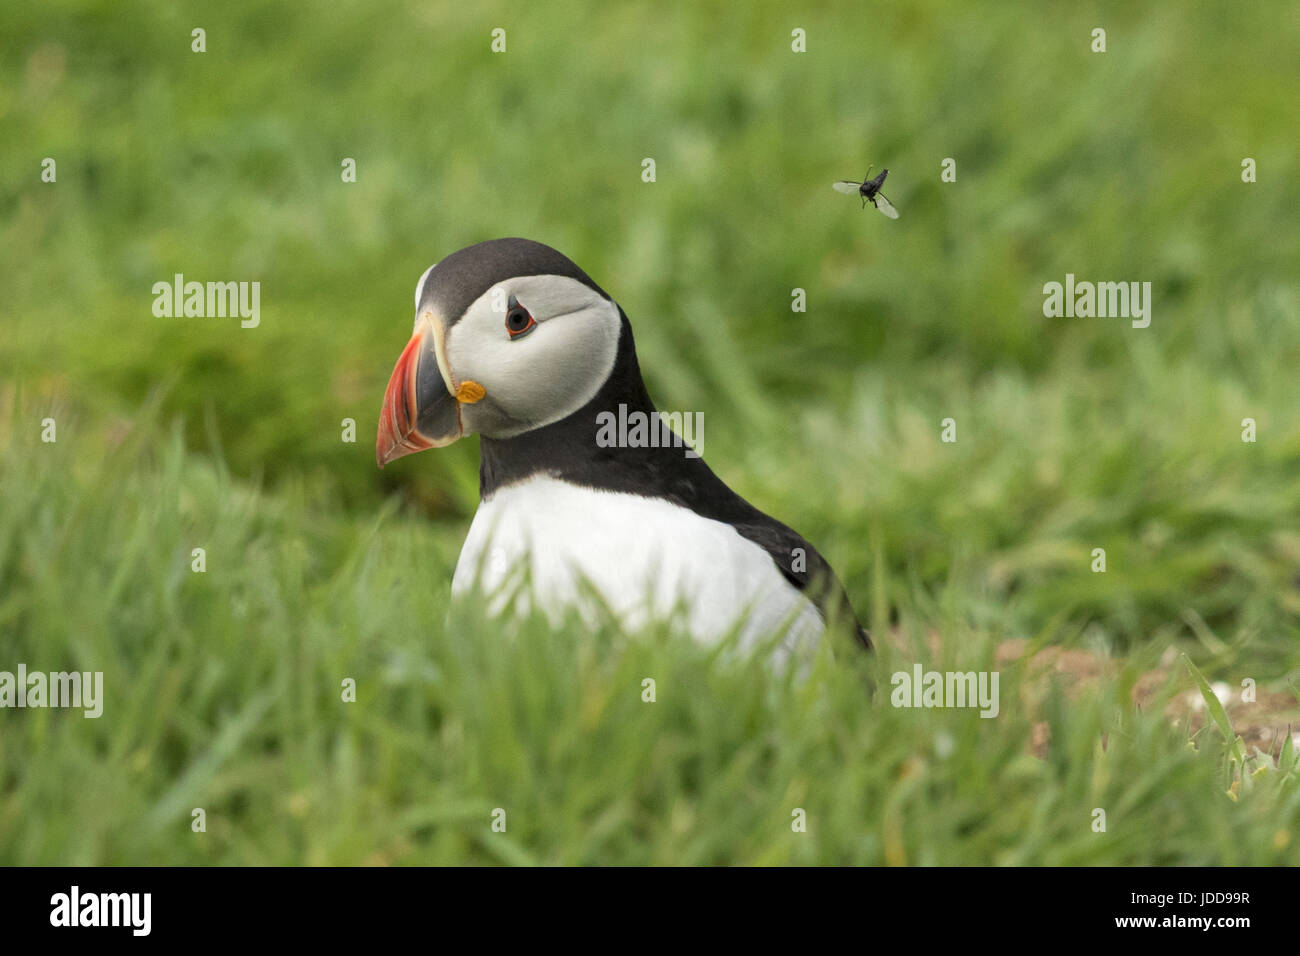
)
(529, 351)
(540, 346)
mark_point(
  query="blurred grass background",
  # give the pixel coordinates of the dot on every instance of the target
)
(1072, 433)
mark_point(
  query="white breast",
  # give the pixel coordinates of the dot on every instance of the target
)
(644, 556)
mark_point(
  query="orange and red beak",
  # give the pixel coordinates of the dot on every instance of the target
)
(421, 405)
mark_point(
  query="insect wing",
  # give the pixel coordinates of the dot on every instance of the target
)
(844, 186)
(885, 206)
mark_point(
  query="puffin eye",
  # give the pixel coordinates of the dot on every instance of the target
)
(519, 322)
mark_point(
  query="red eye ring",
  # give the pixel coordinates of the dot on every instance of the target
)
(519, 321)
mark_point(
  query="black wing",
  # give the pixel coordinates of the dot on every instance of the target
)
(817, 581)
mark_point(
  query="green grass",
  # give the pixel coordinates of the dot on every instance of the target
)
(223, 691)
(224, 687)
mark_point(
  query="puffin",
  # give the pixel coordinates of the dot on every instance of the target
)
(514, 342)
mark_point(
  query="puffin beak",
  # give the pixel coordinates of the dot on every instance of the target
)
(421, 405)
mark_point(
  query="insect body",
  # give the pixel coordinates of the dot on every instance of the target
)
(870, 192)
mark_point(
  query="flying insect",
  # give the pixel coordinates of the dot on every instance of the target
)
(869, 190)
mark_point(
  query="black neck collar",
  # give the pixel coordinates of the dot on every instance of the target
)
(567, 449)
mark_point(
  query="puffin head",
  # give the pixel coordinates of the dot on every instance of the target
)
(509, 336)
